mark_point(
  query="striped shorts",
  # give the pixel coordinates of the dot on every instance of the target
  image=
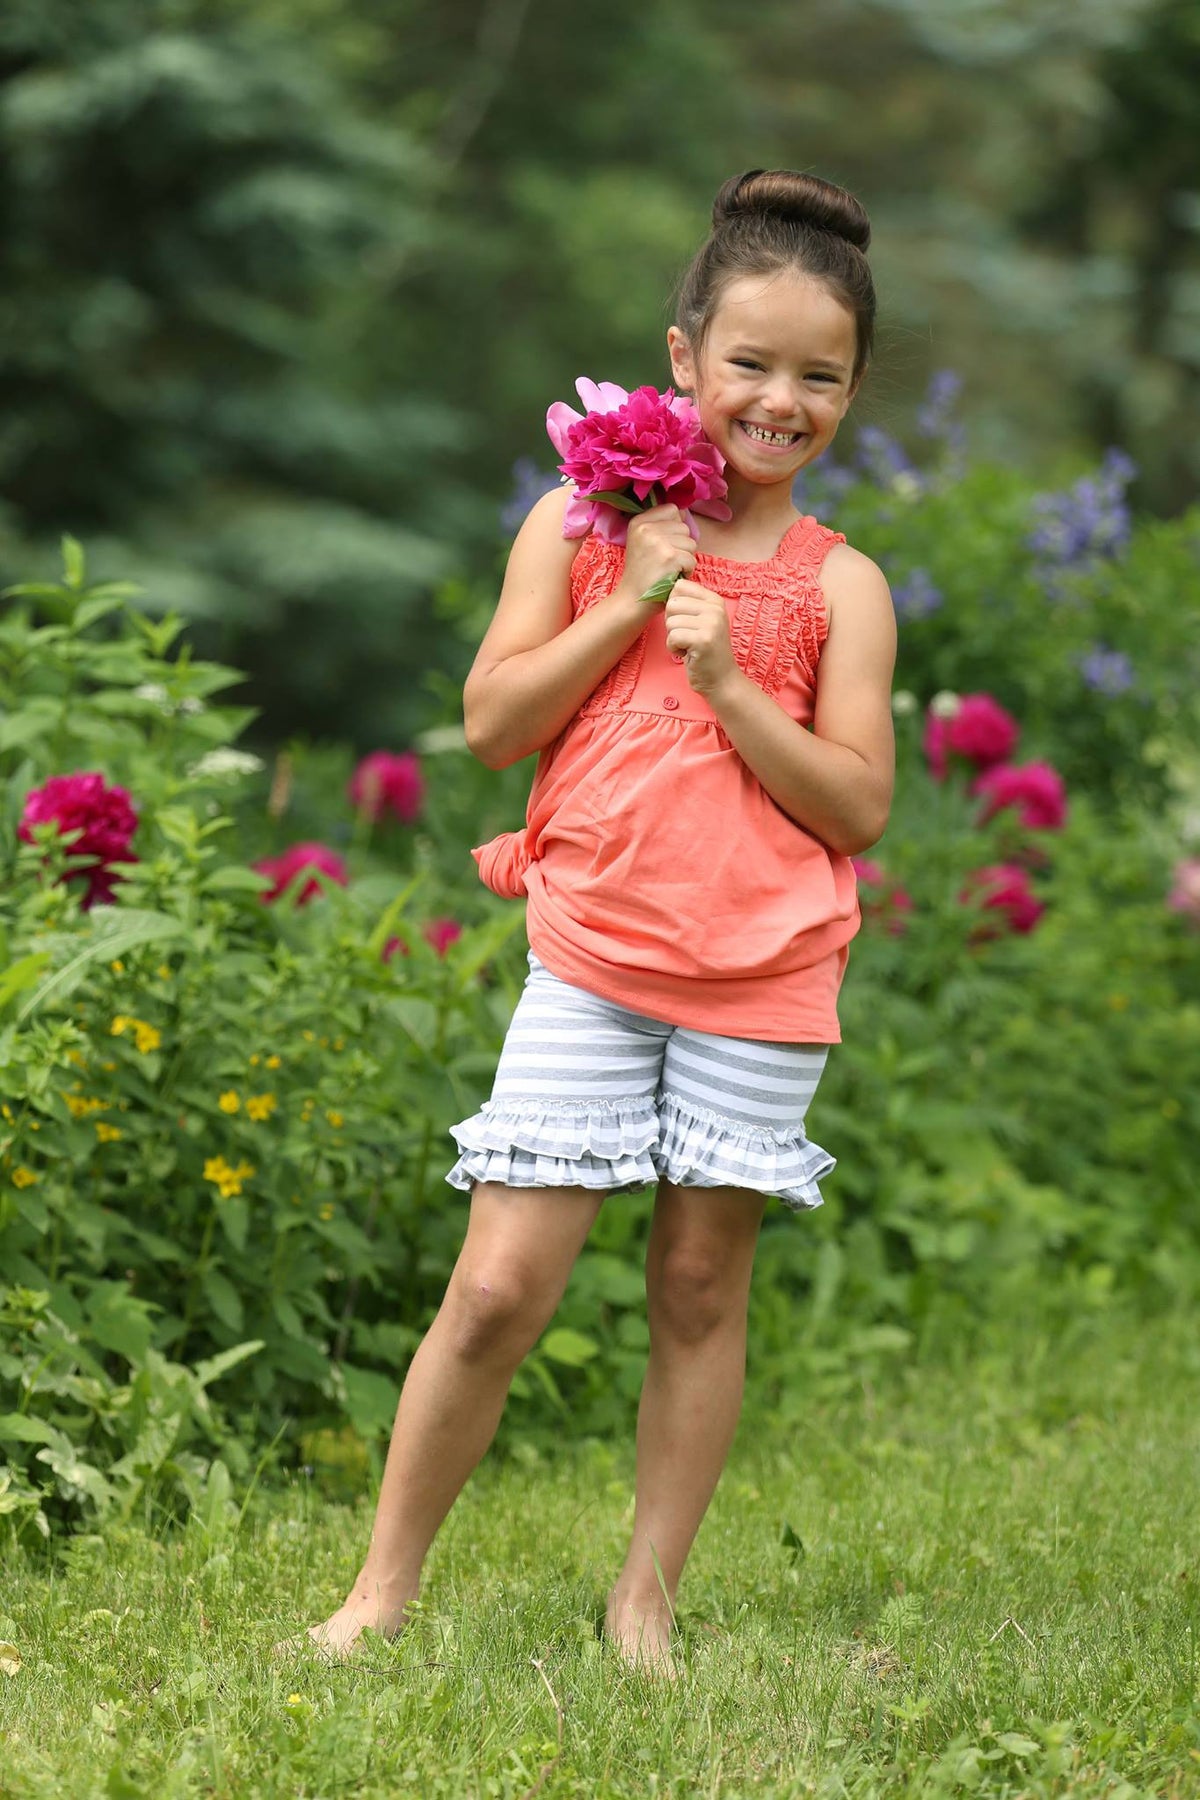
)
(590, 1094)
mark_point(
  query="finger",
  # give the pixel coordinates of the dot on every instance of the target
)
(661, 515)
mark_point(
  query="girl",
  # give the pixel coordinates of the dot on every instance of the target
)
(708, 767)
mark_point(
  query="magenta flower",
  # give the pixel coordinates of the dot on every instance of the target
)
(1006, 891)
(645, 445)
(891, 906)
(979, 730)
(104, 817)
(1184, 896)
(284, 868)
(1035, 789)
(386, 783)
(441, 933)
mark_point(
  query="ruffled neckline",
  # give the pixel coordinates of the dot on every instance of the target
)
(763, 562)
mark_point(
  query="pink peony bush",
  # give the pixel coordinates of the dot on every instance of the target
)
(103, 816)
(891, 905)
(1005, 889)
(385, 782)
(441, 933)
(975, 728)
(1035, 790)
(291, 862)
(1184, 896)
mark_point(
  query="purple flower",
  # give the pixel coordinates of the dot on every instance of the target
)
(883, 460)
(1107, 671)
(822, 484)
(917, 597)
(934, 418)
(529, 484)
(1090, 522)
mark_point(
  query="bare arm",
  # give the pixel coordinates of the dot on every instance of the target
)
(836, 780)
(536, 665)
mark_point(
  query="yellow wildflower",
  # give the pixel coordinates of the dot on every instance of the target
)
(228, 1179)
(1118, 1002)
(163, 972)
(326, 1212)
(80, 1105)
(108, 1067)
(118, 967)
(308, 1036)
(23, 1177)
(78, 1058)
(108, 1134)
(149, 1037)
(336, 1120)
(273, 1062)
(229, 1102)
(294, 1699)
(260, 1106)
(121, 1024)
(255, 1060)
(339, 1043)
(6, 1110)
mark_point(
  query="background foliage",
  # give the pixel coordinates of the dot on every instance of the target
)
(286, 288)
(224, 1133)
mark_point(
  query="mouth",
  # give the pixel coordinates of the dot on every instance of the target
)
(763, 434)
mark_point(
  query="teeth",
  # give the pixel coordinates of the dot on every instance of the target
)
(768, 437)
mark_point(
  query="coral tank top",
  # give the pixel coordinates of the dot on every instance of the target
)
(658, 870)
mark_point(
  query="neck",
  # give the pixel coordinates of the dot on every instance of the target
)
(761, 515)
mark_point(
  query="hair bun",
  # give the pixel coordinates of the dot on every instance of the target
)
(800, 199)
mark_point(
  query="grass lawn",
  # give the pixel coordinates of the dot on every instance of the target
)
(982, 1581)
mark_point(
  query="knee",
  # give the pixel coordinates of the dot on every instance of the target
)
(690, 1294)
(494, 1312)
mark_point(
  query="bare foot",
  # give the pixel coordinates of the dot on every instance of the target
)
(367, 1607)
(642, 1636)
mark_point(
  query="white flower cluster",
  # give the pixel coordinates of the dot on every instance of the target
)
(155, 692)
(442, 737)
(945, 704)
(224, 761)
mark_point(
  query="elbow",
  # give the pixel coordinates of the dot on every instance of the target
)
(862, 836)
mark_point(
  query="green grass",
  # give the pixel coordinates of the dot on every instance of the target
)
(981, 1580)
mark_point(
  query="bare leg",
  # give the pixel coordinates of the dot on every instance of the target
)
(519, 1250)
(698, 1266)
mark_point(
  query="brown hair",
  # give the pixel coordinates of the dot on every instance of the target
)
(770, 219)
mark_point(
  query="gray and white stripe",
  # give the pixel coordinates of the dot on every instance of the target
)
(588, 1092)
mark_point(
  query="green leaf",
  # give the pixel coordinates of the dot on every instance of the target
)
(211, 1368)
(223, 1297)
(623, 502)
(116, 931)
(570, 1347)
(1016, 1745)
(95, 607)
(119, 1321)
(791, 1540)
(370, 1400)
(16, 1428)
(234, 880)
(661, 589)
(74, 563)
(21, 974)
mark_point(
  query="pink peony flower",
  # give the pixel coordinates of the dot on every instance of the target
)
(1184, 896)
(644, 444)
(441, 933)
(1007, 892)
(889, 908)
(104, 816)
(979, 730)
(1035, 789)
(284, 868)
(386, 783)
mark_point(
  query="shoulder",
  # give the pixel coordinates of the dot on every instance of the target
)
(847, 575)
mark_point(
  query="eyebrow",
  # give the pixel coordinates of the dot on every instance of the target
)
(812, 362)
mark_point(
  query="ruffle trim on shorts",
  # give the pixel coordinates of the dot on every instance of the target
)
(604, 1144)
(622, 1145)
(699, 1148)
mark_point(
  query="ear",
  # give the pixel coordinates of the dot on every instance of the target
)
(683, 365)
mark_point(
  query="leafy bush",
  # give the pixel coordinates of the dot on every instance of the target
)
(229, 1119)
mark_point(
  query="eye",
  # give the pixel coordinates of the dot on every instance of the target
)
(743, 362)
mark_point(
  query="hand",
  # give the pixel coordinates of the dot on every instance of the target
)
(697, 623)
(658, 545)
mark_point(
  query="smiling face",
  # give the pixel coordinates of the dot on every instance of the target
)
(772, 382)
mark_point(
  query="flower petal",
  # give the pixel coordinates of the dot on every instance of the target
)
(603, 396)
(559, 419)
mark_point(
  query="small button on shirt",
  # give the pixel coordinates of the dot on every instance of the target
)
(670, 702)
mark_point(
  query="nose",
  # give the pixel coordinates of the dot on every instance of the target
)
(780, 399)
